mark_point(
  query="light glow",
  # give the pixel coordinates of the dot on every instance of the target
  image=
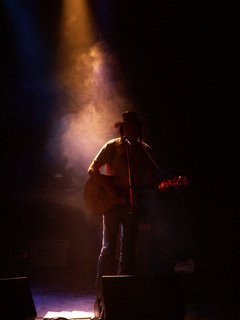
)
(91, 93)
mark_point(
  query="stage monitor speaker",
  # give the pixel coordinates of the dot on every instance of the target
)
(16, 301)
(143, 297)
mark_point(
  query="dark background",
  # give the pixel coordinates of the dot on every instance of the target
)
(180, 62)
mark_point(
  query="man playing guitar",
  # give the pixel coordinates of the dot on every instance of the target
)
(121, 167)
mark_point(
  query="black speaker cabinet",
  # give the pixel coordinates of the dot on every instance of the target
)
(16, 300)
(143, 297)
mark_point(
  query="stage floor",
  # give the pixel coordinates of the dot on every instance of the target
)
(61, 302)
(208, 295)
(60, 297)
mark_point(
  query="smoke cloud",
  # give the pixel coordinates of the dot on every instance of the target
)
(92, 100)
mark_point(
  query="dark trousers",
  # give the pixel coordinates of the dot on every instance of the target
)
(119, 228)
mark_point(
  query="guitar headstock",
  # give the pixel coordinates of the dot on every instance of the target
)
(176, 183)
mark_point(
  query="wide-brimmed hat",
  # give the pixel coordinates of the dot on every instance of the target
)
(129, 117)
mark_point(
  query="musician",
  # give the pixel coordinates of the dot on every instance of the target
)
(128, 160)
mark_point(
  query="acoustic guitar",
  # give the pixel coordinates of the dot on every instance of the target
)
(98, 200)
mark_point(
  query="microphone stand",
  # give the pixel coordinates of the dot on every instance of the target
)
(127, 146)
(131, 212)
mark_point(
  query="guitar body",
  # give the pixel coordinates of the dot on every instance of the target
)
(96, 197)
(98, 200)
